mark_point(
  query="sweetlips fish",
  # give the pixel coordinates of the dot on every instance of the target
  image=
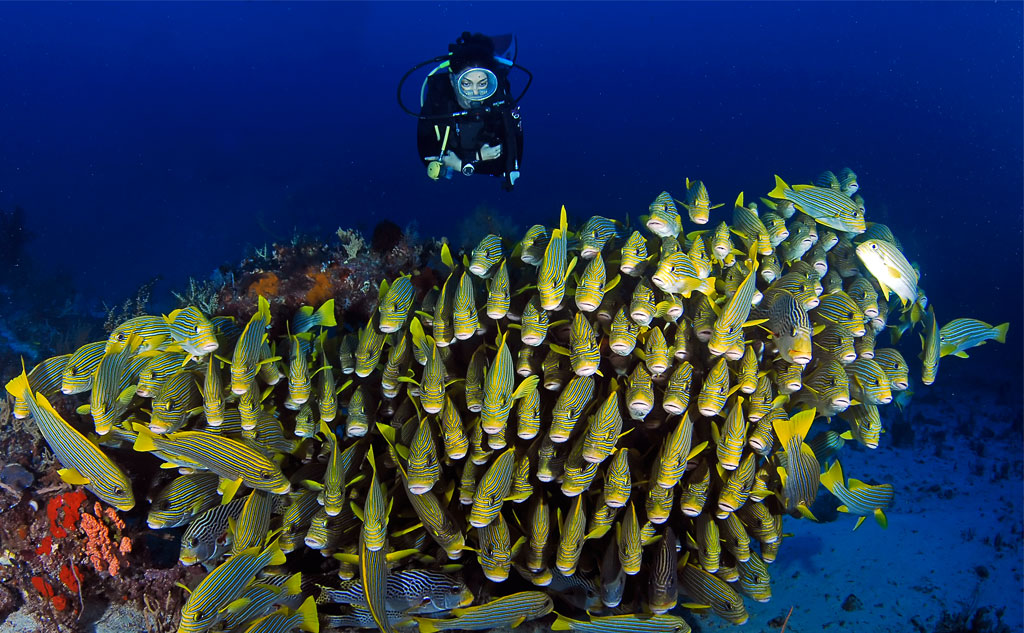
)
(827, 206)
(858, 497)
(962, 334)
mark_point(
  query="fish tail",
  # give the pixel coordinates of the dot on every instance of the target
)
(427, 625)
(832, 476)
(19, 387)
(146, 441)
(307, 616)
(561, 623)
(325, 314)
(1001, 331)
(780, 189)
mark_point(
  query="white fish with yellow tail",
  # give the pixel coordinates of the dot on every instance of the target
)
(890, 268)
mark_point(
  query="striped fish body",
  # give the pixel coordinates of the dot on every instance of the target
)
(590, 289)
(848, 181)
(678, 275)
(584, 347)
(760, 400)
(827, 388)
(762, 438)
(641, 305)
(733, 437)
(577, 473)
(628, 532)
(432, 385)
(894, 366)
(662, 587)
(416, 591)
(755, 582)
(245, 359)
(617, 480)
(596, 232)
(677, 392)
(931, 349)
(373, 572)
(698, 203)
(703, 319)
(492, 490)
(78, 373)
(538, 531)
(633, 623)
(228, 581)
(253, 522)
(552, 273)
(890, 268)
(864, 295)
(476, 371)
(750, 228)
(708, 542)
(801, 475)
(455, 442)
(46, 379)
(156, 371)
(227, 457)
(865, 424)
(776, 226)
(485, 256)
(570, 545)
(658, 504)
(624, 332)
(299, 383)
(110, 394)
(153, 332)
(180, 501)
(534, 323)
(509, 611)
(727, 331)
(827, 180)
(656, 355)
(285, 619)
(737, 486)
(570, 405)
(787, 376)
(713, 392)
(495, 556)
(962, 334)
(640, 394)
(82, 460)
(675, 450)
(695, 490)
(528, 415)
(522, 488)
(376, 511)
(759, 521)
(603, 430)
(190, 329)
(207, 536)
(465, 322)
(533, 245)
(370, 347)
(423, 469)
(826, 206)
(178, 398)
(735, 537)
(438, 523)
(498, 293)
(633, 254)
(857, 497)
(868, 382)
(708, 589)
(394, 307)
(664, 220)
(835, 343)
(613, 579)
(264, 598)
(840, 310)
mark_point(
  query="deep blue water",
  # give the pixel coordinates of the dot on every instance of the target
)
(149, 139)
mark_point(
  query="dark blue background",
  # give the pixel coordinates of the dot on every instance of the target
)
(164, 138)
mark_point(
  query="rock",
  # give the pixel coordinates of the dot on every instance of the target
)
(852, 603)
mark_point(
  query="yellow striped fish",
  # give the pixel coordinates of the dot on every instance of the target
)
(890, 268)
(603, 429)
(498, 393)
(628, 533)
(509, 611)
(801, 474)
(83, 462)
(633, 255)
(708, 589)
(664, 220)
(571, 403)
(228, 458)
(534, 323)
(931, 349)
(484, 257)
(464, 314)
(245, 360)
(584, 347)
(206, 604)
(306, 318)
(553, 269)
(495, 555)
(962, 334)
(492, 490)
(617, 480)
(570, 545)
(727, 332)
(857, 497)
(78, 373)
(698, 203)
(715, 389)
(590, 287)
(826, 206)
(498, 293)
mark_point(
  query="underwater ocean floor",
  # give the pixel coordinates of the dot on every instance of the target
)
(950, 559)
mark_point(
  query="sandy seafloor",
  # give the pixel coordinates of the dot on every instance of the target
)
(953, 541)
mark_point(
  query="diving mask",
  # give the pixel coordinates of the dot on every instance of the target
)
(476, 84)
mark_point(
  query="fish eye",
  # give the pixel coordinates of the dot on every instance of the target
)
(192, 541)
(120, 337)
(119, 491)
(264, 474)
(198, 329)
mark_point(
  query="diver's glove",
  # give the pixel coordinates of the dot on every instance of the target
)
(489, 153)
(452, 160)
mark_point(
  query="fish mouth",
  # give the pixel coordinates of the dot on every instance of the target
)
(557, 438)
(586, 305)
(900, 386)
(477, 270)
(627, 268)
(733, 354)
(859, 332)
(532, 340)
(622, 349)
(586, 370)
(419, 489)
(209, 347)
(841, 403)
(672, 407)
(615, 503)
(800, 358)
(388, 328)
(885, 399)
(708, 412)
(589, 252)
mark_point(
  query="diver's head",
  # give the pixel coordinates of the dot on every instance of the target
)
(473, 69)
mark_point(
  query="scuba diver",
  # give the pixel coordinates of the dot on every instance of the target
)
(468, 121)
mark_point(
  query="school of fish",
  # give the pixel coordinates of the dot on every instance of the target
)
(608, 424)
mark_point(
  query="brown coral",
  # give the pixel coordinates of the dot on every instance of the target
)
(267, 285)
(321, 290)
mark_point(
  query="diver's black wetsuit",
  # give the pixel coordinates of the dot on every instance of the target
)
(495, 122)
